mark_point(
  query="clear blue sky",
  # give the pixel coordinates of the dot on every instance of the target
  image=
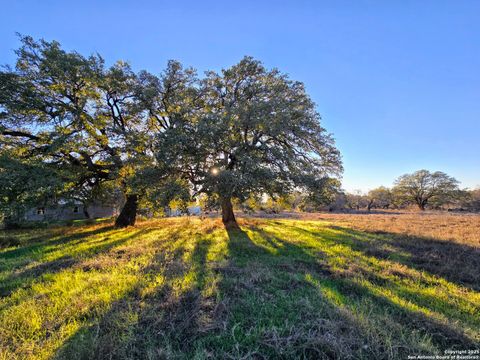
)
(397, 81)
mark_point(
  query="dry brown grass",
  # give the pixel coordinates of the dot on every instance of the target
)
(460, 228)
(339, 286)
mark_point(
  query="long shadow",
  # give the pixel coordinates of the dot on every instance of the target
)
(304, 261)
(24, 278)
(47, 243)
(255, 311)
(272, 284)
(444, 336)
(457, 263)
(372, 246)
(167, 320)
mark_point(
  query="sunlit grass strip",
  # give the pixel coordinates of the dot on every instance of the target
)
(37, 320)
(272, 283)
(446, 302)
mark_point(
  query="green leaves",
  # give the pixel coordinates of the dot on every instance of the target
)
(423, 187)
(72, 114)
(257, 127)
(26, 183)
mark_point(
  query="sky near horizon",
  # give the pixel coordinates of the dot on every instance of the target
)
(396, 82)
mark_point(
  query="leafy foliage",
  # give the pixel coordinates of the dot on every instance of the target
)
(380, 197)
(24, 182)
(423, 187)
(244, 132)
(73, 113)
(250, 131)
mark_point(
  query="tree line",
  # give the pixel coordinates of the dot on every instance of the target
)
(422, 189)
(72, 127)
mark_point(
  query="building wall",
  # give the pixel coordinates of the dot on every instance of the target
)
(98, 211)
(66, 212)
(192, 210)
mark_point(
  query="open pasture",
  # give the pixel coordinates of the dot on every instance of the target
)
(326, 286)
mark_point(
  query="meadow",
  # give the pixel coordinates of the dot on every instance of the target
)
(378, 286)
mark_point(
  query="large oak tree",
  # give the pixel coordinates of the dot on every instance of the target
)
(248, 130)
(424, 187)
(72, 112)
(245, 131)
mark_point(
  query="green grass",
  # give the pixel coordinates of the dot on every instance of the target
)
(185, 288)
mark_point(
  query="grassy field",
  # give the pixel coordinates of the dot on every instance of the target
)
(328, 286)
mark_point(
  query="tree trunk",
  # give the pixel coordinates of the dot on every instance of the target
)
(10, 223)
(85, 212)
(369, 205)
(13, 221)
(421, 206)
(228, 217)
(129, 212)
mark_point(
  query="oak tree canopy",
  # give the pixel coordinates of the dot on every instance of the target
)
(244, 131)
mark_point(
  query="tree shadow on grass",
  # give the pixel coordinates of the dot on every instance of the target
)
(399, 265)
(457, 263)
(155, 321)
(47, 243)
(278, 313)
(271, 297)
(23, 278)
(316, 264)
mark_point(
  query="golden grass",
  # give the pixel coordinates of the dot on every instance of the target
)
(460, 228)
(332, 286)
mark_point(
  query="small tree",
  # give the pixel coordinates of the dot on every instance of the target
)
(379, 197)
(248, 130)
(472, 200)
(356, 200)
(423, 187)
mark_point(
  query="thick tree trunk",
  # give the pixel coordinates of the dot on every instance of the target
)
(129, 212)
(10, 224)
(85, 212)
(13, 221)
(369, 205)
(421, 206)
(228, 217)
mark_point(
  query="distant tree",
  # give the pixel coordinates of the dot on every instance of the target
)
(294, 200)
(248, 130)
(285, 202)
(470, 200)
(423, 187)
(380, 197)
(273, 206)
(251, 204)
(324, 196)
(474, 203)
(356, 200)
(339, 202)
